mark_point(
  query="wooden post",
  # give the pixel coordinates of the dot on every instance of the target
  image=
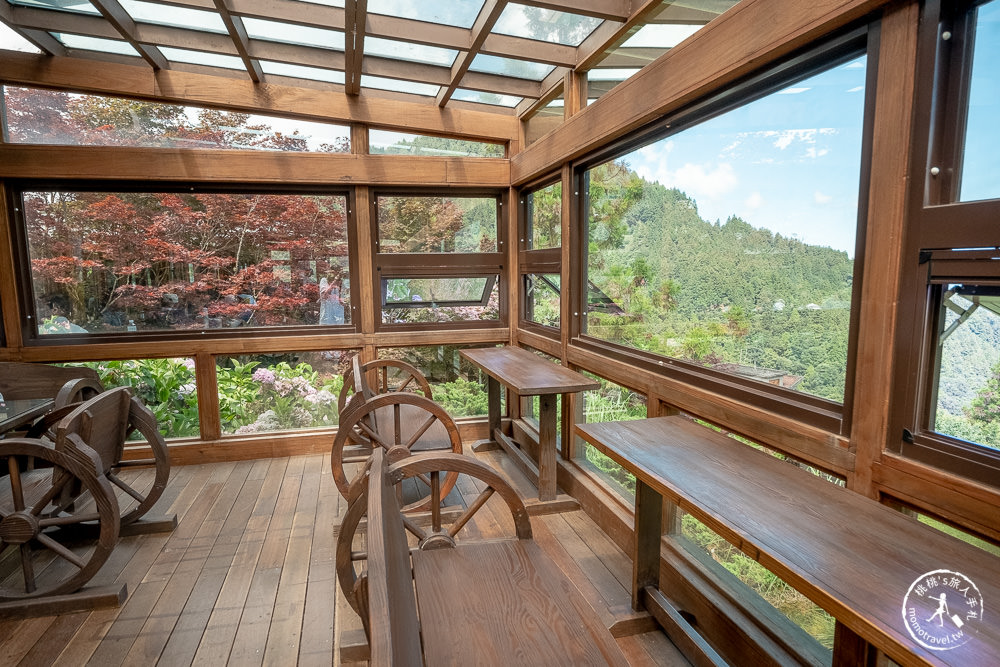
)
(8, 278)
(207, 381)
(547, 447)
(648, 531)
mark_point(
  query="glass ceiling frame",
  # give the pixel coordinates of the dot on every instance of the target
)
(549, 38)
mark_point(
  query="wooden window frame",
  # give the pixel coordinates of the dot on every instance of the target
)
(535, 261)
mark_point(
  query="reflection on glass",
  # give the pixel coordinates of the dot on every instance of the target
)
(302, 72)
(201, 58)
(437, 224)
(485, 98)
(277, 31)
(981, 161)
(612, 402)
(399, 85)
(104, 262)
(54, 117)
(545, 217)
(967, 384)
(418, 53)
(542, 296)
(730, 244)
(461, 13)
(456, 385)
(545, 25)
(81, 6)
(86, 43)
(522, 69)
(172, 15)
(459, 299)
(383, 142)
(12, 41)
(660, 35)
(281, 392)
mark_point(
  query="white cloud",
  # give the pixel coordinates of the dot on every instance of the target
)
(793, 91)
(855, 89)
(703, 180)
(754, 201)
(821, 198)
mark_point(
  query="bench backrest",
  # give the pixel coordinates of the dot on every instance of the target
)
(21, 380)
(394, 632)
(101, 423)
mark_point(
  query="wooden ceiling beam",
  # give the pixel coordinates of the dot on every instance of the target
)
(39, 38)
(610, 35)
(115, 14)
(238, 33)
(501, 85)
(528, 108)
(487, 18)
(549, 53)
(610, 10)
(310, 56)
(419, 32)
(291, 11)
(49, 21)
(355, 12)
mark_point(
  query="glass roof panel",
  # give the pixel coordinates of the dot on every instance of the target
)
(79, 6)
(611, 74)
(277, 31)
(465, 95)
(170, 15)
(418, 53)
(398, 85)
(95, 44)
(522, 69)
(546, 25)
(461, 13)
(12, 41)
(384, 142)
(201, 58)
(328, 3)
(302, 72)
(661, 35)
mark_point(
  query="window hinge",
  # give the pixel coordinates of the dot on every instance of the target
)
(907, 436)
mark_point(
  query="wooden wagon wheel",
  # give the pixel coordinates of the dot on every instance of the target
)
(390, 375)
(352, 565)
(400, 423)
(36, 523)
(142, 420)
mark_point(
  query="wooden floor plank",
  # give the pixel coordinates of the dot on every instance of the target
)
(45, 653)
(19, 643)
(316, 646)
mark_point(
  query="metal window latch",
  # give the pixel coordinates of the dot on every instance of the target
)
(907, 436)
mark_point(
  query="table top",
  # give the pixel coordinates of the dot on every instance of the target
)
(19, 411)
(527, 373)
(858, 559)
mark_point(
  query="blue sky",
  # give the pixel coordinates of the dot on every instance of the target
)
(790, 162)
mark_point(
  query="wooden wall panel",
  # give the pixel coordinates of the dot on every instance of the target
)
(752, 35)
(202, 89)
(241, 167)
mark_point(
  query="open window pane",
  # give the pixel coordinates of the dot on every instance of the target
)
(437, 224)
(542, 299)
(107, 262)
(967, 383)
(545, 217)
(981, 160)
(414, 300)
(730, 244)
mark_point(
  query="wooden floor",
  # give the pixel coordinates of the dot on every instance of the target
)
(248, 577)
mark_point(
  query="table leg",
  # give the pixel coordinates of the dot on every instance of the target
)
(547, 447)
(493, 410)
(648, 531)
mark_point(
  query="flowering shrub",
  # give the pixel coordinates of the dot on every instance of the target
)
(290, 397)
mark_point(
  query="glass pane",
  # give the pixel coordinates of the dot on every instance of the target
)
(437, 224)
(418, 53)
(281, 392)
(458, 386)
(544, 120)
(730, 244)
(276, 31)
(383, 142)
(302, 72)
(545, 25)
(415, 300)
(11, 41)
(542, 297)
(86, 43)
(171, 15)
(81, 6)
(399, 86)
(461, 13)
(545, 217)
(201, 58)
(104, 262)
(612, 402)
(464, 95)
(773, 590)
(660, 35)
(166, 386)
(969, 538)
(38, 116)
(523, 69)
(981, 161)
(968, 379)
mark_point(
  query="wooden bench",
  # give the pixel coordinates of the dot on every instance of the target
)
(450, 602)
(854, 557)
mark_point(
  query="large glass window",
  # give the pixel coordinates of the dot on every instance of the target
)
(542, 299)
(730, 244)
(35, 116)
(418, 224)
(545, 217)
(981, 158)
(106, 262)
(541, 257)
(458, 386)
(383, 142)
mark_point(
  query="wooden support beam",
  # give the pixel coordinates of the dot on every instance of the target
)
(116, 15)
(9, 303)
(40, 38)
(487, 18)
(355, 12)
(608, 35)
(610, 10)
(238, 33)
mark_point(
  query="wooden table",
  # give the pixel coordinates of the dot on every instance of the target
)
(854, 557)
(527, 374)
(17, 412)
